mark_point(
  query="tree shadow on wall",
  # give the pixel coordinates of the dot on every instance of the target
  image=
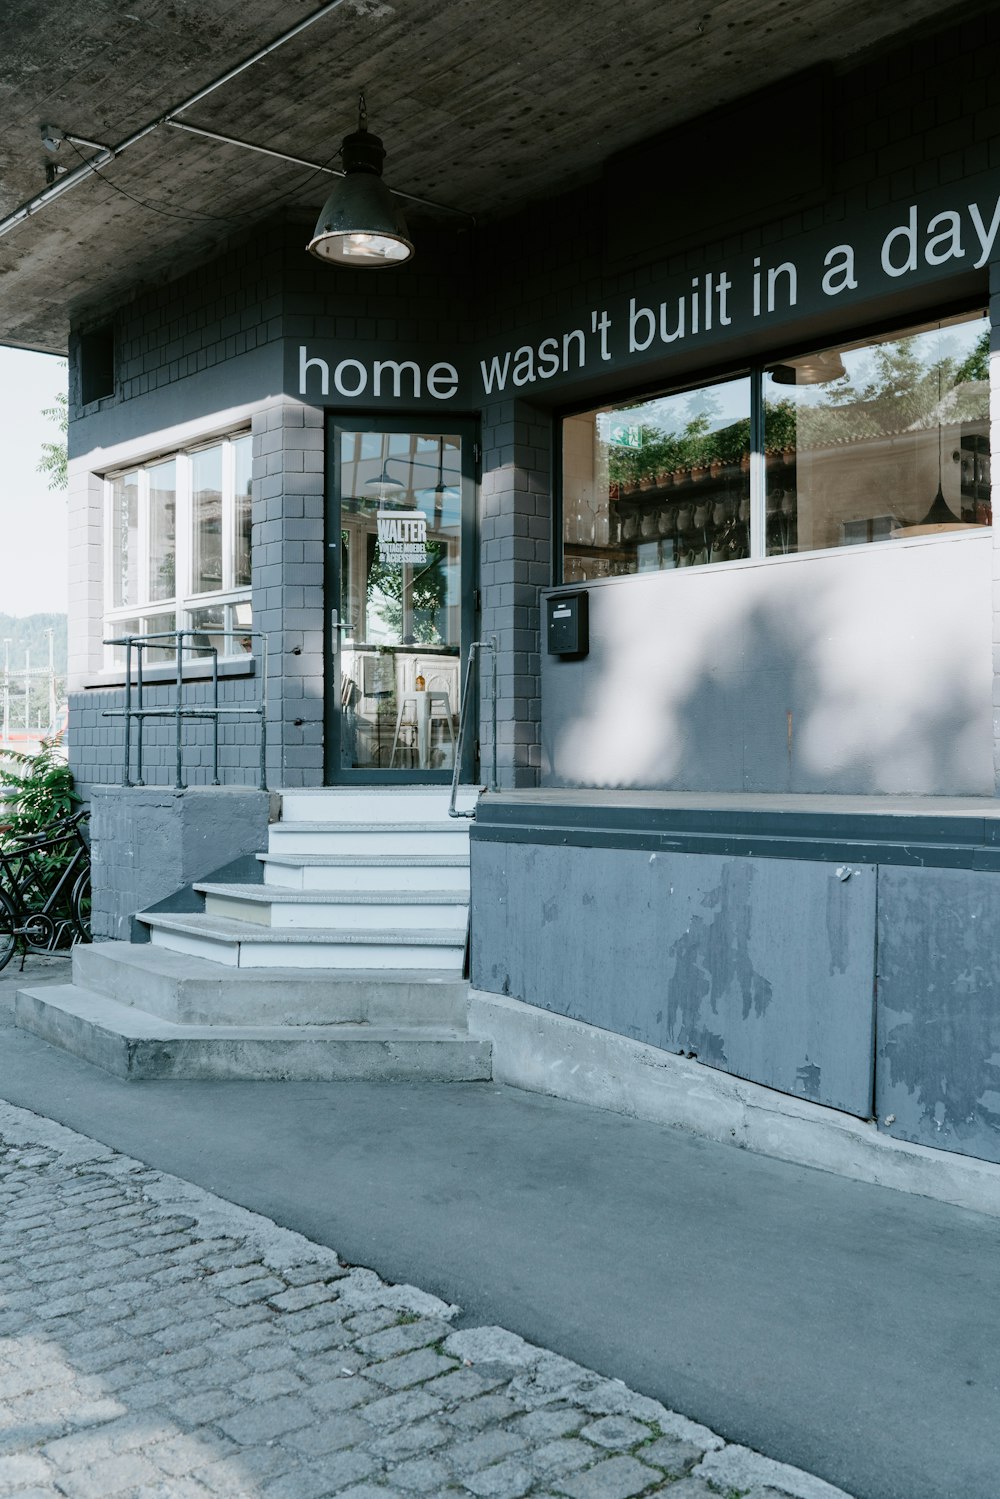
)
(764, 698)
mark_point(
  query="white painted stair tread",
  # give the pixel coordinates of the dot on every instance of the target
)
(279, 895)
(457, 860)
(381, 801)
(466, 789)
(225, 929)
(425, 825)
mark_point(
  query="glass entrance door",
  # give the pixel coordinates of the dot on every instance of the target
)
(400, 530)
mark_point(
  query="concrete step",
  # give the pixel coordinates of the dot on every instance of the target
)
(373, 804)
(197, 991)
(243, 944)
(441, 836)
(134, 1044)
(375, 872)
(369, 910)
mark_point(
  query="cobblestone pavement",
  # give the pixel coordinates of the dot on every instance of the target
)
(158, 1341)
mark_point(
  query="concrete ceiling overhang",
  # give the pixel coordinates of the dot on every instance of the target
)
(485, 107)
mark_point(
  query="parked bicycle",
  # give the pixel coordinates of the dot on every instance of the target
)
(45, 890)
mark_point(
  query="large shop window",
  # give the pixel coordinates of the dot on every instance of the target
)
(870, 441)
(177, 550)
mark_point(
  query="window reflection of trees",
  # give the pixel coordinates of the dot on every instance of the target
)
(856, 439)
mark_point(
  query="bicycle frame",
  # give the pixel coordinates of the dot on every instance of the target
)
(33, 900)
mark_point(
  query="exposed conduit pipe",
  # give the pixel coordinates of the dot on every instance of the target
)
(299, 161)
(109, 153)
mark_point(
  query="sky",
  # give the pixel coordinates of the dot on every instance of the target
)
(33, 563)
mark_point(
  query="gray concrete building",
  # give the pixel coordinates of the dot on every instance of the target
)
(680, 413)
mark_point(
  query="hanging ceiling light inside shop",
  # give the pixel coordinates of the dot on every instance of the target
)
(811, 369)
(940, 517)
(361, 224)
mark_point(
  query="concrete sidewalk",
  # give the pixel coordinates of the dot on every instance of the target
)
(846, 1329)
(158, 1343)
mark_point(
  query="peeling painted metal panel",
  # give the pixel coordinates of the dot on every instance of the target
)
(938, 1009)
(763, 968)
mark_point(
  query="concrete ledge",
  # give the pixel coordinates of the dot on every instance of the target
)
(195, 991)
(546, 1053)
(149, 843)
(132, 1044)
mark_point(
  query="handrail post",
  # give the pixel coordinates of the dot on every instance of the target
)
(493, 678)
(463, 722)
(215, 715)
(263, 715)
(139, 721)
(178, 709)
(128, 709)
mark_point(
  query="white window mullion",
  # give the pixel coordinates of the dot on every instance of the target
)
(228, 513)
(144, 540)
(143, 609)
(109, 582)
(185, 547)
(758, 501)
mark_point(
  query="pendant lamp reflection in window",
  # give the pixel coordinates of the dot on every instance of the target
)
(940, 517)
(361, 225)
(442, 495)
(384, 483)
(810, 369)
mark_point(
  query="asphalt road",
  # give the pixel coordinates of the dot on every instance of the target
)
(847, 1329)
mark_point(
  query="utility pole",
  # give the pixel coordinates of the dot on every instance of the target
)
(6, 690)
(52, 682)
(27, 690)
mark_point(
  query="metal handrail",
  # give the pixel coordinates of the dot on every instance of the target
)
(178, 712)
(463, 721)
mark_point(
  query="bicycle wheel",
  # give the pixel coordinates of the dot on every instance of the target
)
(80, 905)
(8, 930)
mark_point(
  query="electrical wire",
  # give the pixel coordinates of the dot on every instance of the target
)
(195, 218)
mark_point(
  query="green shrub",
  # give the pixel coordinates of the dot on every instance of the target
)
(40, 791)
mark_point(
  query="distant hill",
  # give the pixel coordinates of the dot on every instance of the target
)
(29, 633)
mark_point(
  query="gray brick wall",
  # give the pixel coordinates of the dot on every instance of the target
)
(901, 126)
(210, 317)
(288, 540)
(515, 530)
(97, 743)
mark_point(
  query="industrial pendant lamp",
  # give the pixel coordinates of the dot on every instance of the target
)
(360, 224)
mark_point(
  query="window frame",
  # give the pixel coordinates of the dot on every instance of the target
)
(184, 602)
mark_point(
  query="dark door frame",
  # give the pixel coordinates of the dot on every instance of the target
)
(431, 423)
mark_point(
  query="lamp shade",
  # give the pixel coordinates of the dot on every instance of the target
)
(384, 483)
(360, 224)
(811, 369)
(939, 518)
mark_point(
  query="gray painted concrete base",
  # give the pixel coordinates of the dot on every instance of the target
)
(134, 1044)
(546, 1053)
(150, 842)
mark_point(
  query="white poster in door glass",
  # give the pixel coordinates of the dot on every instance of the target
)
(402, 536)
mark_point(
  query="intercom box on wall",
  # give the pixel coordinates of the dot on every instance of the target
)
(568, 627)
